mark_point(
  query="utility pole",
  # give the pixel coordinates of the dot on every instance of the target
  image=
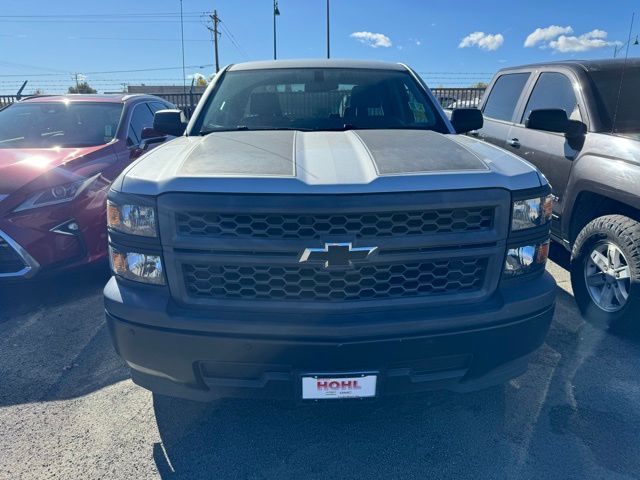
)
(215, 19)
(328, 40)
(77, 83)
(276, 12)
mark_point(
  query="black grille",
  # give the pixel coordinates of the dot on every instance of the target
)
(10, 261)
(319, 226)
(371, 281)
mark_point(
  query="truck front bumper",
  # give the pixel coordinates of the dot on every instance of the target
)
(205, 355)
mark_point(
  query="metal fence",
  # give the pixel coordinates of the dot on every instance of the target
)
(448, 98)
(458, 97)
(184, 101)
(7, 100)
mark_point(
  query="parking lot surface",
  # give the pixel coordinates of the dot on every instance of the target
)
(68, 410)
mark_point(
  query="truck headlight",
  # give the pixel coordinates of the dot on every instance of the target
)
(526, 259)
(132, 219)
(139, 267)
(531, 212)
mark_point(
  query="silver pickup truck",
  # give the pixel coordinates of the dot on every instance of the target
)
(319, 231)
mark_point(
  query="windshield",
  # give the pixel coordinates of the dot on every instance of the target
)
(319, 99)
(46, 125)
(607, 84)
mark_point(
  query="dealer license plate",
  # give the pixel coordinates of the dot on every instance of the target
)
(321, 387)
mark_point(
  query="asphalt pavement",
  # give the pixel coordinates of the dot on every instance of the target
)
(69, 410)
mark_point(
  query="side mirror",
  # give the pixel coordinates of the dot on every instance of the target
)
(555, 120)
(149, 133)
(170, 122)
(548, 120)
(466, 119)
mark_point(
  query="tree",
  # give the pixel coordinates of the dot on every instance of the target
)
(480, 85)
(83, 87)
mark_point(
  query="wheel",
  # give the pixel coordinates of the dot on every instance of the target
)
(605, 270)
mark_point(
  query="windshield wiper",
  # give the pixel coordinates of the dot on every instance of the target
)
(238, 128)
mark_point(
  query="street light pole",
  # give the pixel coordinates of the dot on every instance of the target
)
(276, 12)
(328, 37)
(184, 75)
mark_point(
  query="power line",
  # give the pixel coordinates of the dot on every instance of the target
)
(119, 14)
(233, 40)
(100, 20)
(137, 39)
(158, 69)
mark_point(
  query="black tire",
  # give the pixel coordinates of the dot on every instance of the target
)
(624, 233)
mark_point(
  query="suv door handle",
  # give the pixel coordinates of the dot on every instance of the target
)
(514, 142)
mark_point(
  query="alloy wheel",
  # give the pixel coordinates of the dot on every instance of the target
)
(608, 277)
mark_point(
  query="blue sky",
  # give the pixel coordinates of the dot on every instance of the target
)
(427, 35)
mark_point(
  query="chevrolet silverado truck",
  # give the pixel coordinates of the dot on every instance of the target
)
(579, 123)
(319, 231)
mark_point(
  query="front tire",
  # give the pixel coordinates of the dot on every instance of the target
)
(605, 271)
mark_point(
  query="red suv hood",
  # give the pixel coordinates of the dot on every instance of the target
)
(19, 166)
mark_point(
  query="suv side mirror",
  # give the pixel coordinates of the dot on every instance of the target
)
(466, 119)
(555, 120)
(170, 122)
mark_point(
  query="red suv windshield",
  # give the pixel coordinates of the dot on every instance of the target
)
(58, 124)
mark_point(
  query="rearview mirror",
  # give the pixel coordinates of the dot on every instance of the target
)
(170, 122)
(466, 119)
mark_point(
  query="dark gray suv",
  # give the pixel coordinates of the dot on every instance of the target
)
(579, 123)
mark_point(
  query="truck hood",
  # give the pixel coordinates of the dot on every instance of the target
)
(325, 162)
(19, 166)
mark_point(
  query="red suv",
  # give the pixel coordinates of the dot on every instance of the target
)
(58, 157)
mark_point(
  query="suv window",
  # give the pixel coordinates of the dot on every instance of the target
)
(553, 90)
(155, 106)
(614, 89)
(141, 117)
(504, 96)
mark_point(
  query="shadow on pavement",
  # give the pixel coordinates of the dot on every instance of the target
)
(520, 430)
(390, 438)
(20, 298)
(560, 255)
(54, 343)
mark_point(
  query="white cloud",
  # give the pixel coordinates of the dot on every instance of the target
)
(585, 42)
(540, 35)
(418, 43)
(371, 39)
(485, 41)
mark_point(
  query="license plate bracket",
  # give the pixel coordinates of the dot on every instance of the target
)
(336, 386)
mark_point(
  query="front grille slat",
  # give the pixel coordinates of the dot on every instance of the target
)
(319, 226)
(314, 283)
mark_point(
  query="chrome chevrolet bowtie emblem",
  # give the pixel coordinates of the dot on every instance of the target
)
(337, 254)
